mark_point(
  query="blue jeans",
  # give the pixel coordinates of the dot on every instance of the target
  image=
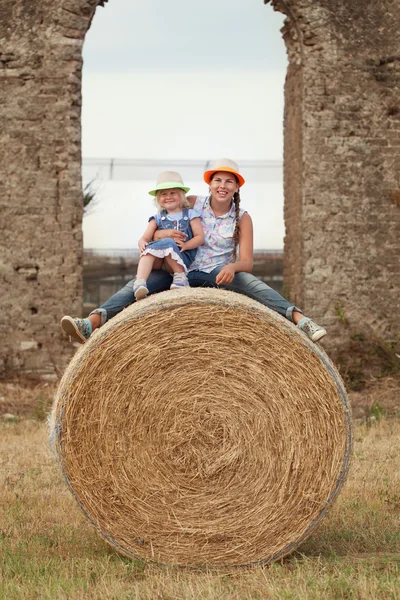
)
(159, 281)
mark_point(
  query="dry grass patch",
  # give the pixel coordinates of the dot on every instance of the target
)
(48, 549)
(26, 398)
(380, 398)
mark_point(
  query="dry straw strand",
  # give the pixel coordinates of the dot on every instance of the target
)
(200, 428)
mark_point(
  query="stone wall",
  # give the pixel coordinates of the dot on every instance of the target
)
(342, 164)
(342, 170)
(40, 179)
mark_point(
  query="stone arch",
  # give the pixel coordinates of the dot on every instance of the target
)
(342, 186)
(342, 125)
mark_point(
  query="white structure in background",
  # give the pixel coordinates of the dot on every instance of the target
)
(131, 169)
(123, 204)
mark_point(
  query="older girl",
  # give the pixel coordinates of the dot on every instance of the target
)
(226, 227)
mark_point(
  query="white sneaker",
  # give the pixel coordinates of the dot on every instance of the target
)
(179, 282)
(140, 289)
(312, 330)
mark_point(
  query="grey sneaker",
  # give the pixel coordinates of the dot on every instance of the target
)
(315, 332)
(140, 290)
(77, 329)
(179, 282)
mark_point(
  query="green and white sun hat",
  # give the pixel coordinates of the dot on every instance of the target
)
(168, 180)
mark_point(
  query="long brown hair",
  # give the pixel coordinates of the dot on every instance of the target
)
(236, 233)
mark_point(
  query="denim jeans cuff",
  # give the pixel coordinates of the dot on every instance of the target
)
(290, 311)
(102, 312)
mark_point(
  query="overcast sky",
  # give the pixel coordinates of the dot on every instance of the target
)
(222, 35)
(181, 79)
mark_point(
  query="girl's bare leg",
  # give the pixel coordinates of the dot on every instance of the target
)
(95, 321)
(172, 265)
(180, 280)
(297, 317)
(145, 266)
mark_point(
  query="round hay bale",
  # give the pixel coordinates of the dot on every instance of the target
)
(200, 428)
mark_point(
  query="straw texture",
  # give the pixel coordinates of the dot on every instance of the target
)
(199, 428)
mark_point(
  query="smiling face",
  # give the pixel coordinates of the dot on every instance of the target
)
(223, 185)
(171, 200)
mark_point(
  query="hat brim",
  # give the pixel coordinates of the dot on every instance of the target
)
(208, 174)
(169, 185)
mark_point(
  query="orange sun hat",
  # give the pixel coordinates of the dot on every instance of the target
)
(223, 164)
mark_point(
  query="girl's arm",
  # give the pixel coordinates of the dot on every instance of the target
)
(148, 235)
(245, 262)
(246, 244)
(198, 236)
(175, 234)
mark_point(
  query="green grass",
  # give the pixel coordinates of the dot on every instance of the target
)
(48, 550)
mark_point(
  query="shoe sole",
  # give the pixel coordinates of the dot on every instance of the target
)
(178, 287)
(318, 336)
(68, 325)
(141, 293)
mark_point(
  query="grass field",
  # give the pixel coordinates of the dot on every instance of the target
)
(48, 549)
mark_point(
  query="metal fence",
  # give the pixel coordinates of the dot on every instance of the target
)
(139, 169)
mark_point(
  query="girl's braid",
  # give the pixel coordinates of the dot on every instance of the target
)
(236, 201)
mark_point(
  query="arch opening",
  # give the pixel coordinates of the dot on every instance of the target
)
(159, 106)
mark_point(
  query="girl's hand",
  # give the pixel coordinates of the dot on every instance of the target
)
(226, 275)
(142, 245)
(182, 245)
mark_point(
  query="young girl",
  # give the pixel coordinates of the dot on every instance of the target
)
(174, 213)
